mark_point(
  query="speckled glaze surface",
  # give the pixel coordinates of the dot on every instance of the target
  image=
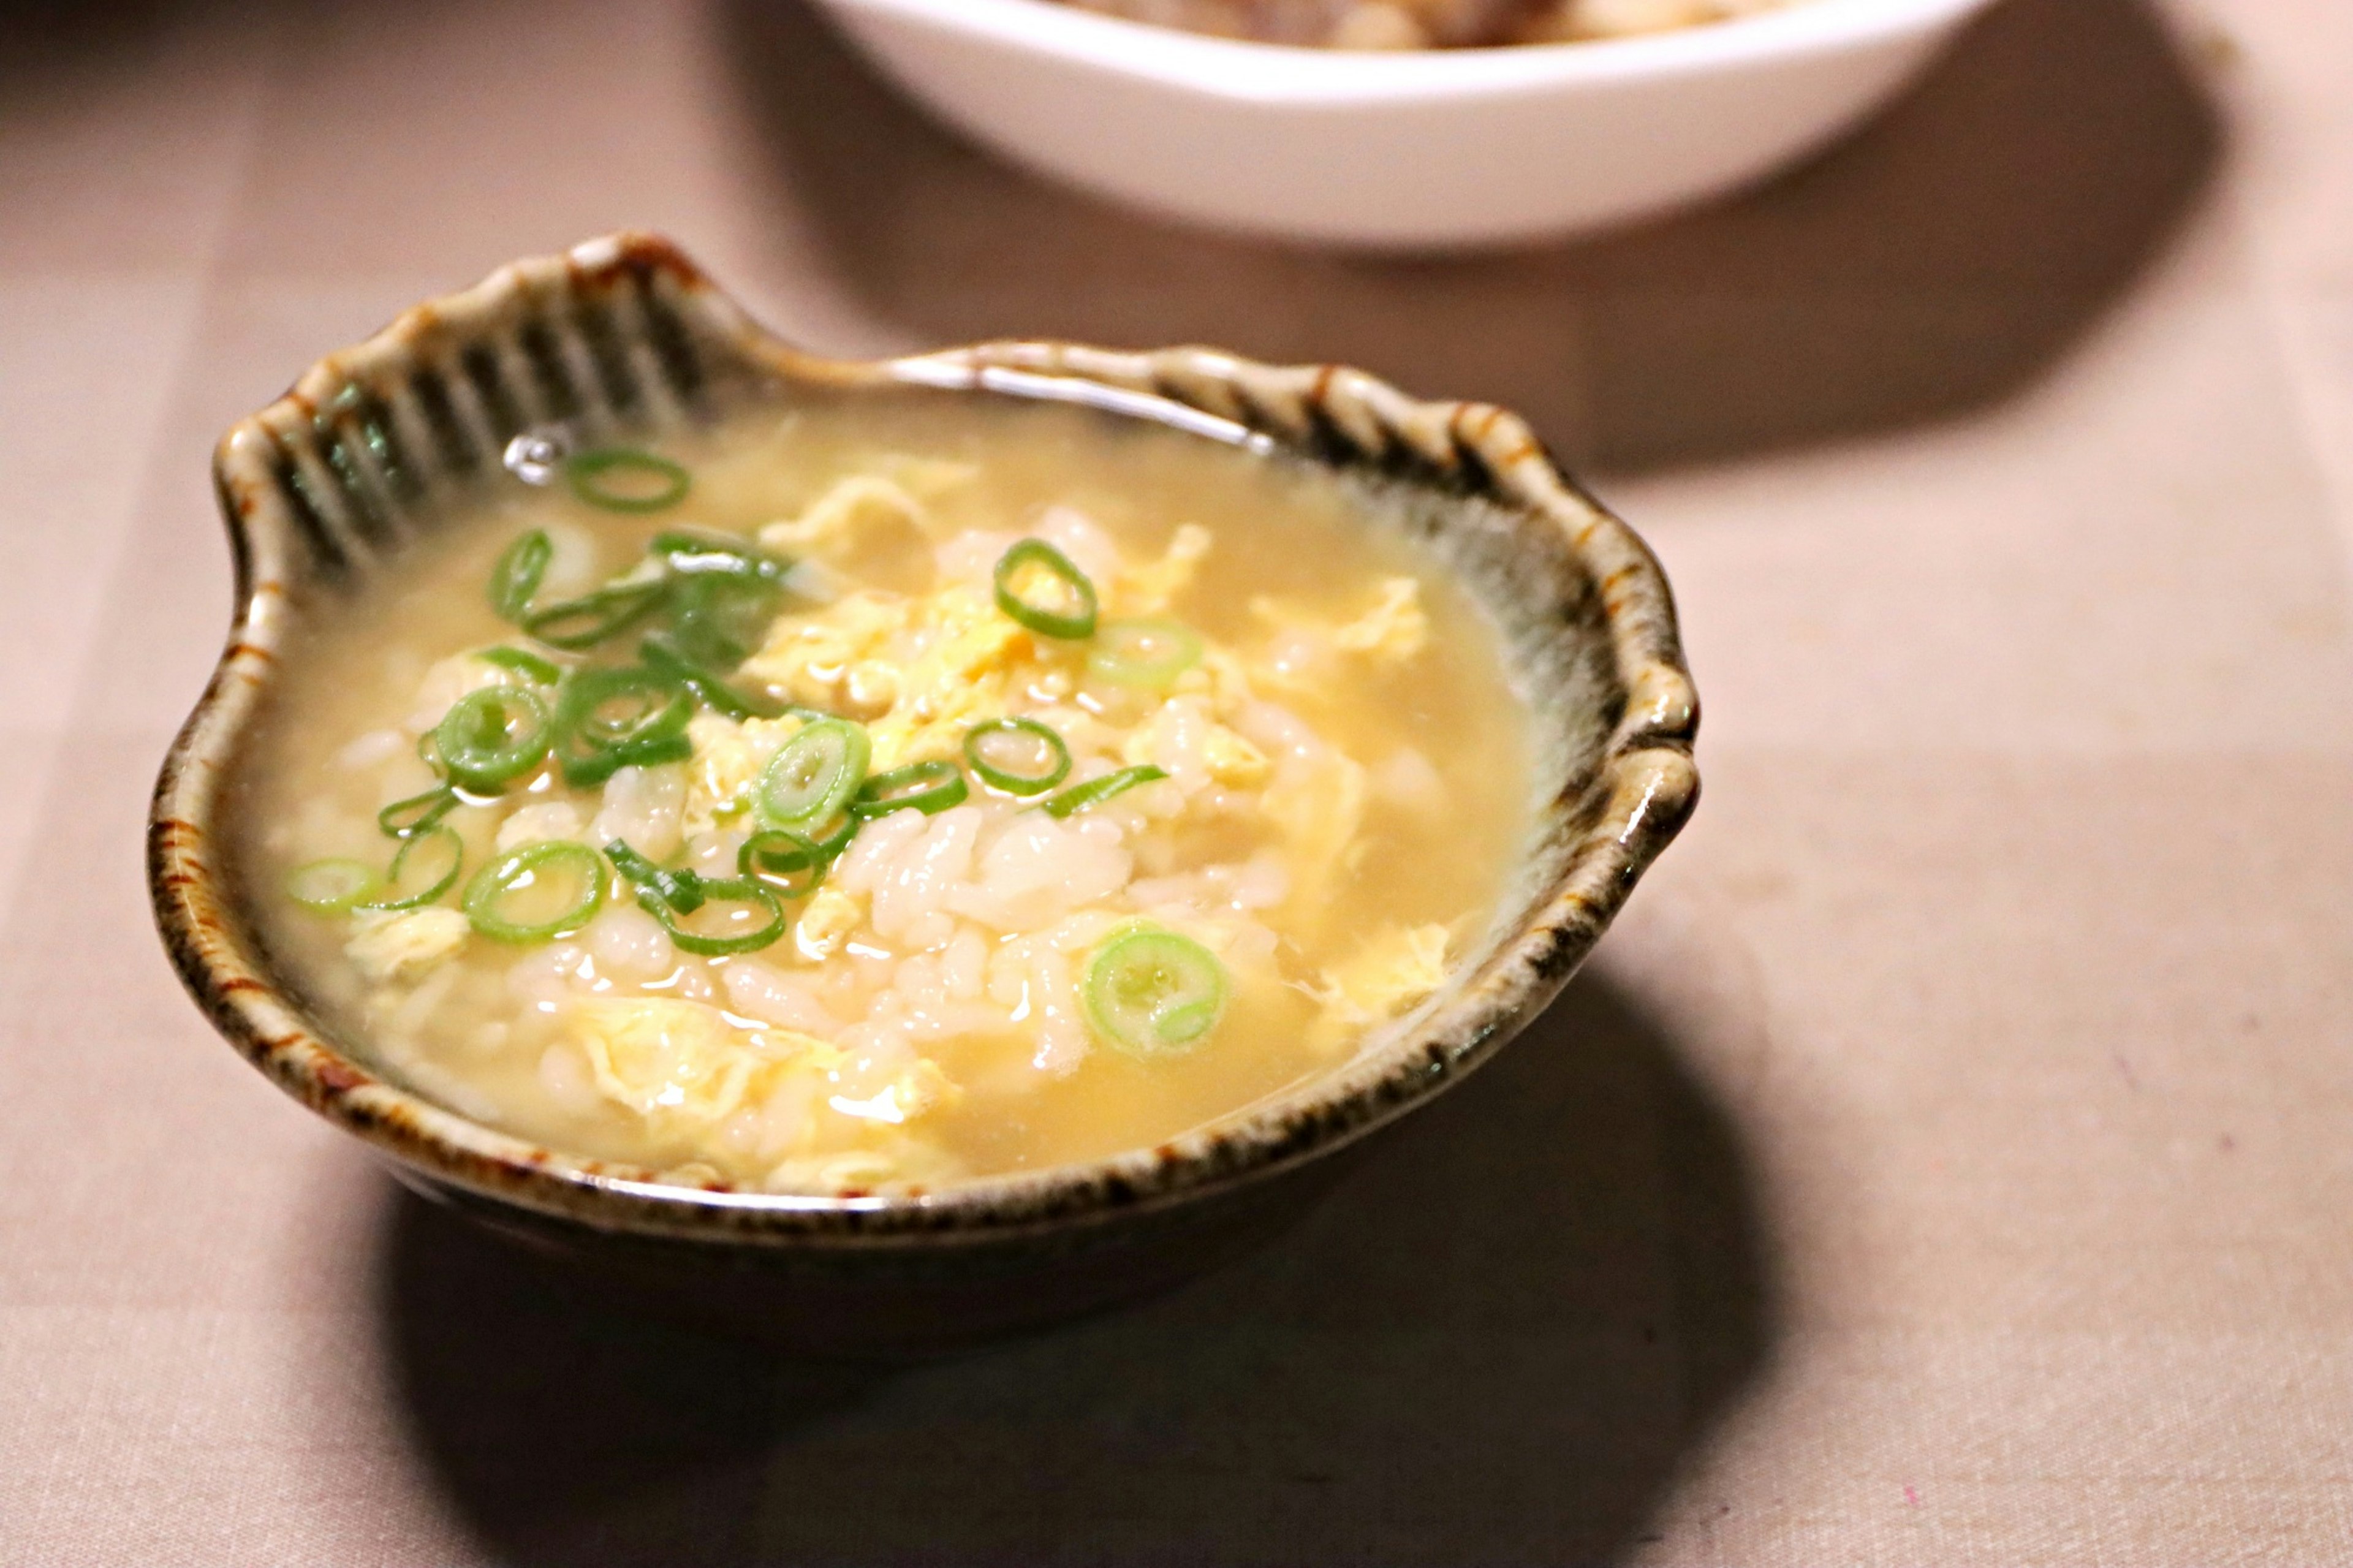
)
(379, 443)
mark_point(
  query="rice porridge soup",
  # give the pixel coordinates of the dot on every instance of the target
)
(863, 800)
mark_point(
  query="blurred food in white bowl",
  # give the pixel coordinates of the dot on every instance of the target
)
(1427, 24)
(1404, 149)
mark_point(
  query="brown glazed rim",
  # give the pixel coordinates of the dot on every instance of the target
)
(645, 305)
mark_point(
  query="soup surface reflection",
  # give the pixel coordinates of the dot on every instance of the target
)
(865, 800)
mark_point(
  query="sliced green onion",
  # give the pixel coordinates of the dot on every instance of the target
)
(622, 478)
(583, 623)
(784, 860)
(537, 892)
(928, 787)
(1094, 792)
(680, 890)
(724, 904)
(628, 703)
(719, 618)
(1150, 653)
(831, 836)
(693, 554)
(671, 896)
(517, 575)
(530, 666)
(1038, 756)
(723, 593)
(492, 737)
(606, 719)
(330, 886)
(814, 775)
(1154, 994)
(1067, 608)
(401, 889)
(715, 694)
(417, 813)
(586, 770)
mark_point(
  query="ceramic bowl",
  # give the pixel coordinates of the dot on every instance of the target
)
(380, 443)
(1429, 148)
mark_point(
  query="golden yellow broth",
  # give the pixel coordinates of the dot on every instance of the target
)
(1281, 528)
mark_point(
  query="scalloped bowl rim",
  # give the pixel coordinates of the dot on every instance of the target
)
(1643, 790)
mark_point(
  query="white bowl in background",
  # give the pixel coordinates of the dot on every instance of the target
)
(1430, 149)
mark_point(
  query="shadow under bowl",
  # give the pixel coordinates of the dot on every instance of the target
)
(382, 443)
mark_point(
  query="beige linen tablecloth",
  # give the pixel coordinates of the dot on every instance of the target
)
(1946, 1161)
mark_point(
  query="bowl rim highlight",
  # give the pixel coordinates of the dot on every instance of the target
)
(314, 482)
(1249, 70)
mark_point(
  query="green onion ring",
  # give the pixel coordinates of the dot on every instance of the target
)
(1150, 652)
(784, 860)
(815, 774)
(417, 813)
(521, 870)
(929, 787)
(1094, 792)
(721, 890)
(492, 736)
(715, 694)
(659, 704)
(330, 887)
(456, 852)
(516, 577)
(1153, 993)
(593, 743)
(717, 618)
(585, 772)
(841, 829)
(680, 890)
(530, 666)
(583, 623)
(692, 556)
(590, 475)
(976, 739)
(1044, 620)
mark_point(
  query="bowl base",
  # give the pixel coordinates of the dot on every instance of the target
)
(908, 1299)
